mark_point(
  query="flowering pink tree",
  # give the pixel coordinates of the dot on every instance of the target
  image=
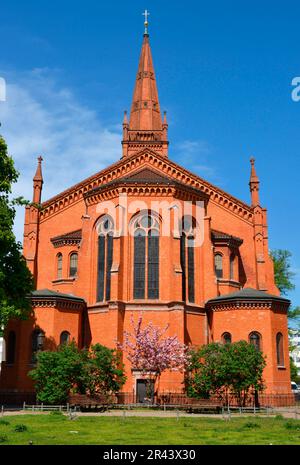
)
(150, 352)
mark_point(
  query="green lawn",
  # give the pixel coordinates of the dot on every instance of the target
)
(59, 429)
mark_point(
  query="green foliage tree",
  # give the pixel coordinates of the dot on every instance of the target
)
(284, 277)
(224, 370)
(70, 370)
(57, 372)
(282, 270)
(294, 371)
(15, 278)
(104, 370)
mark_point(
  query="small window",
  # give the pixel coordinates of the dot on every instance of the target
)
(226, 338)
(73, 264)
(59, 265)
(219, 265)
(11, 348)
(255, 339)
(37, 343)
(279, 350)
(64, 337)
(232, 260)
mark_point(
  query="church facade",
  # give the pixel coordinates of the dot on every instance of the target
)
(147, 235)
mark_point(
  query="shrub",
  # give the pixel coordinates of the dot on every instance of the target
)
(3, 438)
(20, 428)
(57, 413)
(4, 422)
(291, 424)
(71, 370)
(251, 425)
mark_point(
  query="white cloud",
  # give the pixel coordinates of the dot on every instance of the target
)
(195, 155)
(41, 118)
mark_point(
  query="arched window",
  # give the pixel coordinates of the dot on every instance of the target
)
(226, 338)
(231, 271)
(105, 230)
(64, 337)
(255, 339)
(219, 265)
(146, 257)
(59, 265)
(37, 343)
(11, 348)
(279, 349)
(187, 258)
(73, 264)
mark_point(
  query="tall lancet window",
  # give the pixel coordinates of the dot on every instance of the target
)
(219, 265)
(279, 350)
(59, 263)
(187, 258)
(105, 230)
(146, 257)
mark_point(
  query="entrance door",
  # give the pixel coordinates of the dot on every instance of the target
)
(144, 390)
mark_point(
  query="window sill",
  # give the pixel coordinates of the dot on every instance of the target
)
(281, 367)
(64, 280)
(231, 282)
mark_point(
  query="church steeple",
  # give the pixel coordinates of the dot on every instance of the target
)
(145, 127)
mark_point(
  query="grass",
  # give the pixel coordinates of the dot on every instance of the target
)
(59, 429)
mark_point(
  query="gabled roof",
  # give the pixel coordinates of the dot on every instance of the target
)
(146, 157)
(146, 176)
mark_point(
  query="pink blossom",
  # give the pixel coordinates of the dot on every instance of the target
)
(149, 351)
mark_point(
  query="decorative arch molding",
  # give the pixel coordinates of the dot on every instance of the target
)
(146, 156)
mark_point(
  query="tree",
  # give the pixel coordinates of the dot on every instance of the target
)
(294, 371)
(282, 270)
(284, 276)
(225, 369)
(16, 281)
(104, 370)
(59, 372)
(70, 370)
(151, 352)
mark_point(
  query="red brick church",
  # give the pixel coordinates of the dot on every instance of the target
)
(147, 235)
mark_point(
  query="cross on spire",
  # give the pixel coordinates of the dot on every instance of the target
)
(146, 14)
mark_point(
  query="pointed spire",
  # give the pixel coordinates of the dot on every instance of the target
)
(38, 182)
(145, 111)
(254, 184)
(145, 127)
(38, 174)
(125, 120)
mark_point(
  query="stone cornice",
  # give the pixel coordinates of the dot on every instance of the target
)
(48, 298)
(142, 305)
(136, 161)
(223, 239)
(237, 304)
(53, 302)
(61, 242)
(148, 189)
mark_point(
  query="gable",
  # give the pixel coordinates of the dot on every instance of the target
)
(151, 165)
(147, 175)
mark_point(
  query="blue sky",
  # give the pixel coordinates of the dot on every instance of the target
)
(224, 72)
